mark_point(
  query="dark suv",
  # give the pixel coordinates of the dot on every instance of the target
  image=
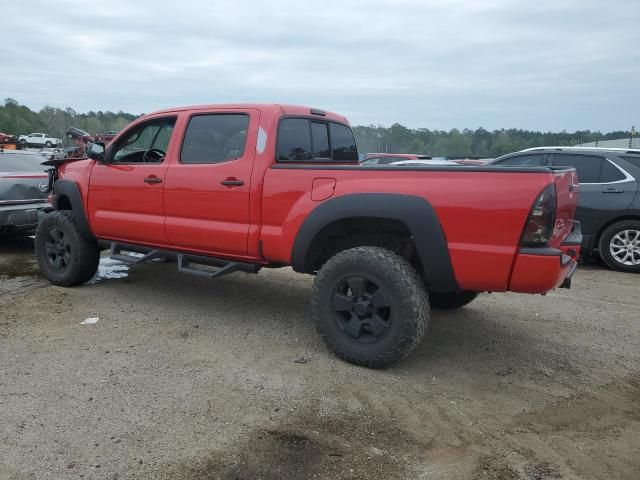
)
(608, 203)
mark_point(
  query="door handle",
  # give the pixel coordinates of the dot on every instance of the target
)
(152, 179)
(612, 190)
(232, 182)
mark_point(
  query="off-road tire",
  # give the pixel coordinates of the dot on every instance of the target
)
(451, 300)
(403, 289)
(83, 255)
(605, 242)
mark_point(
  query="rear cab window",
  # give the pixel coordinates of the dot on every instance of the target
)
(311, 140)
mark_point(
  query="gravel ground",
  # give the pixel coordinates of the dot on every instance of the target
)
(183, 378)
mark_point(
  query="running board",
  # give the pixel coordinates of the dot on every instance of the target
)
(185, 266)
(116, 254)
(186, 263)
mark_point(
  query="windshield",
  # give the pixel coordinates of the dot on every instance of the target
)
(20, 162)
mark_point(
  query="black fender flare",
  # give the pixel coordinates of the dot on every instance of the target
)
(71, 190)
(415, 212)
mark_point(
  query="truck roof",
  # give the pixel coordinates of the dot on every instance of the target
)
(284, 109)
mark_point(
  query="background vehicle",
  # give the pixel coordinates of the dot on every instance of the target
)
(81, 140)
(609, 201)
(241, 187)
(105, 137)
(417, 163)
(39, 140)
(6, 138)
(387, 158)
(23, 187)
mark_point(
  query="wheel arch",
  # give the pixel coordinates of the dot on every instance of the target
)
(67, 197)
(627, 216)
(413, 213)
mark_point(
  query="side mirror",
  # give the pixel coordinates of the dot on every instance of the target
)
(96, 151)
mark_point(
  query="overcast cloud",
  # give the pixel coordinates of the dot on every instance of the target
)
(543, 65)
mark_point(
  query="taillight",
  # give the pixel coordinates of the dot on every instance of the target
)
(542, 218)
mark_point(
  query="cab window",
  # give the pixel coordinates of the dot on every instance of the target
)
(305, 140)
(215, 138)
(145, 143)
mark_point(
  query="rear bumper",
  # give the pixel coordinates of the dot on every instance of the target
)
(541, 269)
(20, 217)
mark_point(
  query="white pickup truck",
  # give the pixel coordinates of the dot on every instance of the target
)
(39, 140)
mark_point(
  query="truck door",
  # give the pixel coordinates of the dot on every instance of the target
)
(208, 185)
(125, 193)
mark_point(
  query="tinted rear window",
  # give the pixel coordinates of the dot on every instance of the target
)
(588, 167)
(343, 144)
(300, 140)
(294, 140)
(18, 162)
(320, 140)
(610, 173)
(215, 138)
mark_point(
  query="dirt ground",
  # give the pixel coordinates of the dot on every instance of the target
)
(183, 378)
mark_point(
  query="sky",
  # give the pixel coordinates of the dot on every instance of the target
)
(437, 64)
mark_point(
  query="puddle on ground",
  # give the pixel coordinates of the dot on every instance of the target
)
(108, 269)
(17, 258)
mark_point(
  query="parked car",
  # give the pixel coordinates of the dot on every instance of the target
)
(388, 158)
(106, 137)
(417, 163)
(241, 187)
(6, 138)
(39, 140)
(609, 200)
(23, 191)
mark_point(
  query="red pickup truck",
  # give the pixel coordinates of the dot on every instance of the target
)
(227, 188)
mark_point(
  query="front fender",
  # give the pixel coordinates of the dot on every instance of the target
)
(70, 190)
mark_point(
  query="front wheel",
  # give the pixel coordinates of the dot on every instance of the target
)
(620, 246)
(451, 300)
(64, 256)
(369, 306)
(48, 144)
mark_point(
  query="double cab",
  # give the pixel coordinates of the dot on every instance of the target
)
(228, 188)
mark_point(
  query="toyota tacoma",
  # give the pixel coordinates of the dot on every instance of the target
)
(228, 188)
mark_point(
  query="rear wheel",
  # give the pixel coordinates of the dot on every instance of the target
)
(64, 256)
(620, 246)
(369, 306)
(451, 300)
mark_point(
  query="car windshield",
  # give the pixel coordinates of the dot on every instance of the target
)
(20, 162)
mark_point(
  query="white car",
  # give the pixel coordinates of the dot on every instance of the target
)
(39, 140)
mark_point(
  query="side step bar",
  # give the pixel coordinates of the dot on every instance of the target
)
(186, 263)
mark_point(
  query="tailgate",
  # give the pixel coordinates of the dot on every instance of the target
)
(22, 187)
(566, 181)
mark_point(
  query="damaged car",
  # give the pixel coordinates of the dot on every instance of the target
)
(23, 192)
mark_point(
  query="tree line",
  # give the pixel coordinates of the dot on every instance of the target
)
(18, 119)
